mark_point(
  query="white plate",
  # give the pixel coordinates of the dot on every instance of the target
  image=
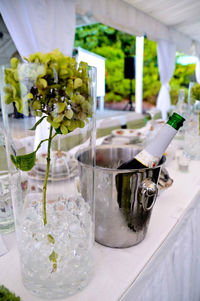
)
(39, 175)
(153, 125)
(60, 159)
(128, 133)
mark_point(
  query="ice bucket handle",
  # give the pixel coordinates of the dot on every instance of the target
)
(147, 193)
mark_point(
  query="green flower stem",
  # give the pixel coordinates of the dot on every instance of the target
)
(44, 141)
(46, 177)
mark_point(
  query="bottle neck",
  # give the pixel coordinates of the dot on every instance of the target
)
(175, 121)
(152, 154)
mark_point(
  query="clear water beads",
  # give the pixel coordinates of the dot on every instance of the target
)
(56, 258)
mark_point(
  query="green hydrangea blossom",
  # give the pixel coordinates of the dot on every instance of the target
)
(195, 92)
(52, 85)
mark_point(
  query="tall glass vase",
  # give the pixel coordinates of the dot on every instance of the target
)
(54, 116)
(6, 211)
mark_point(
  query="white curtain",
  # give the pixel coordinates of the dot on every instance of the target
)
(166, 62)
(40, 25)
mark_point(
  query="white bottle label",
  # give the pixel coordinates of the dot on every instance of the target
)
(147, 159)
(152, 154)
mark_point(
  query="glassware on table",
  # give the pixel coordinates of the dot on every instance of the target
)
(54, 222)
(152, 114)
(182, 160)
(192, 126)
(190, 98)
(181, 108)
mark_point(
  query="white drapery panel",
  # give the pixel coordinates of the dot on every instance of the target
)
(125, 17)
(166, 62)
(174, 273)
(40, 25)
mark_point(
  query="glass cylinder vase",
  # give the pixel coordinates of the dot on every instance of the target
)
(6, 210)
(49, 109)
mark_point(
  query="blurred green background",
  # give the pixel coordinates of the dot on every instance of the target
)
(114, 45)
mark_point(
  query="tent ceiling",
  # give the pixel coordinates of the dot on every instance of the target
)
(84, 20)
(176, 21)
(182, 15)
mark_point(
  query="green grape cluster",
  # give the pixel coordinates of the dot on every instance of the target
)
(50, 85)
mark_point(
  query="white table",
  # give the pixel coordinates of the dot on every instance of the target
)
(163, 267)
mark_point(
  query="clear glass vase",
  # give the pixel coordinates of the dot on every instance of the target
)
(51, 116)
(6, 209)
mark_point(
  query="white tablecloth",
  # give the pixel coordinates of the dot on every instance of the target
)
(174, 272)
(163, 267)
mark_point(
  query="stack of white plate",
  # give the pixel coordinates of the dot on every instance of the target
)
(127, 136)
(62, 167)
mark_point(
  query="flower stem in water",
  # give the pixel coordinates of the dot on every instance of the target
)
(46, 176)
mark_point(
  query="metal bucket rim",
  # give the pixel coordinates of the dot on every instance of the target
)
(111, 170)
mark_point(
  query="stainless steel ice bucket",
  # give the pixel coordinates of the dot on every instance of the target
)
(124, 198)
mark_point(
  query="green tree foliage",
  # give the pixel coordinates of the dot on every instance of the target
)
(114, 45)
(116, 86)
(151, 82)
(180, 80)
(109, 42)
(93, 36)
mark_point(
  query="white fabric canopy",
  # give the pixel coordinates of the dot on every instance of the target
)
(166, 62)
(149, 18)
(36, 25)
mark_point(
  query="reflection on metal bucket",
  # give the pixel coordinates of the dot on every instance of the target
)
(124, 198)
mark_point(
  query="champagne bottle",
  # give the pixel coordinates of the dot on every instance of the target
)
(151, 155)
